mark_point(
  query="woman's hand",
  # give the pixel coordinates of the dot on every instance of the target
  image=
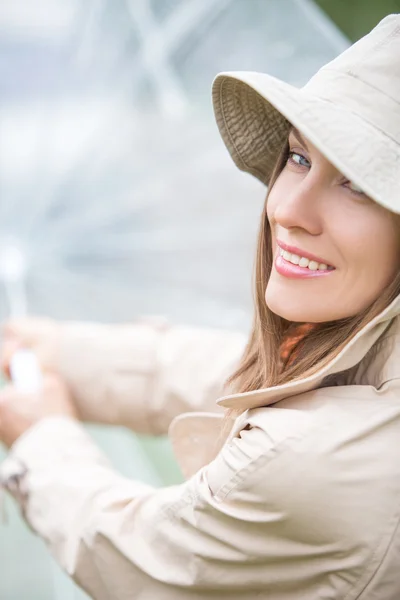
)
(41, 335)
(20, 411)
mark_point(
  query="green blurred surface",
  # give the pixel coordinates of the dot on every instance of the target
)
(160, 454)
(26, 564)
(27, 572)
(357, 17)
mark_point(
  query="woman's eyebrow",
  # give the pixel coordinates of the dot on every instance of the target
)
(299, 137)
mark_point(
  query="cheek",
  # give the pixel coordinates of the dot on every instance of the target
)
(371, 241)
(369, 245)
(278, 190)
(384, 251)
(364, 243)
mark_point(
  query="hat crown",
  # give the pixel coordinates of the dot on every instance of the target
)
(375, 58)
(349, 110)
(365, 78)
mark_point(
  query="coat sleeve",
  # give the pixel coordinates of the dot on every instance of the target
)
(233, 527)
(142, 375)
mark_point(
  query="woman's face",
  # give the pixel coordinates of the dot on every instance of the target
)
(316, 213)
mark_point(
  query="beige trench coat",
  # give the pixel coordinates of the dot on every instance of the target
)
(302, 501)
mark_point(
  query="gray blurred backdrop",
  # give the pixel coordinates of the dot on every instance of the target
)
(115, 184)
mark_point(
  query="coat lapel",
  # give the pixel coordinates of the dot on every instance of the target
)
(351, 354)
(197, 437)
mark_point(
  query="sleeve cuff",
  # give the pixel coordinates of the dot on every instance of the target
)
(55, 439)
(50, 442)
(56, 473)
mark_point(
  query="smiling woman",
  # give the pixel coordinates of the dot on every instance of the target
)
(327, 263)
(345, 246)
(301, 498)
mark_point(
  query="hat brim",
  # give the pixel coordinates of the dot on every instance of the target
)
(254, 113)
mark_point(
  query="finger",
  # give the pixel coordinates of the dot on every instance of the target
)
(7, 394)
(7, 352)
(18, 328)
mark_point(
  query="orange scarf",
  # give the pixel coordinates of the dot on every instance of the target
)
(292, 340)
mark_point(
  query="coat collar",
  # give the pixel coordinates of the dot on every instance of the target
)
(351, 354)
(197, 437)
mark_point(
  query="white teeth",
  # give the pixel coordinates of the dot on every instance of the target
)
(287, 255)
(302, 261)
(313, 266)
(295, 259)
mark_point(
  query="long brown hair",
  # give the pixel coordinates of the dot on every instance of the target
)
(280, 351)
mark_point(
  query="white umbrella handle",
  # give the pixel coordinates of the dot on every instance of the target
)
(25, 371)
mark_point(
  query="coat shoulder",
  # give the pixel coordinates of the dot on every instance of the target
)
(331, 456)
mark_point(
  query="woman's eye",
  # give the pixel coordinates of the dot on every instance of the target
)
(354, 188)
(298, 160)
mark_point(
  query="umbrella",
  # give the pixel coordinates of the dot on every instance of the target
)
(115, 185)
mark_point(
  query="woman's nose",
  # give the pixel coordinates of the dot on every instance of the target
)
(301, 207)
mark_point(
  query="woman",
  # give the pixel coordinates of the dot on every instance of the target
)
(301, 498)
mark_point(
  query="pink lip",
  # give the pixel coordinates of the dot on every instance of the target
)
(287, 269)
(299, 252)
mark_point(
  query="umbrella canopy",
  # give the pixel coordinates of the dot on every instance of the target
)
(115, 185)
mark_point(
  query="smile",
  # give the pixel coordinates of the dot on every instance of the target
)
(299, 267)
(302, 261)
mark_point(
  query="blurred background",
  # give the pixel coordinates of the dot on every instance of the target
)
(115, 186)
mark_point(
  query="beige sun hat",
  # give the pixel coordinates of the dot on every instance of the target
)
(349, 110)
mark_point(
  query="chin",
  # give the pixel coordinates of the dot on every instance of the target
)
(292, 309)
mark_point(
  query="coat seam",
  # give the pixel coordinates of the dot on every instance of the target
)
(386, 381)
(276, 450)
(374, 555)
(223, 492)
